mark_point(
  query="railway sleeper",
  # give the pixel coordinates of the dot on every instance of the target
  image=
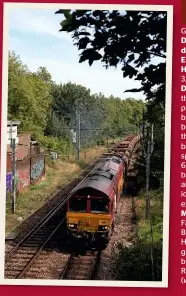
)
(33, 244)
(79, 276)
(18, 261)
(33, 275)
(21, 256)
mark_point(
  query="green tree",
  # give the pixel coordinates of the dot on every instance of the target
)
(48, 110)
(44, 75)
(29, 96)
(69, 98)
(129, 40)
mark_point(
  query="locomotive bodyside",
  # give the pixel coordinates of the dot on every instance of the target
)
(92, 207)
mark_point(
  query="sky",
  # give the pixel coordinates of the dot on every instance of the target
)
(34, 35)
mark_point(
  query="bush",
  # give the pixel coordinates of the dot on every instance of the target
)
(82, 164)
(59, 145)
(134, 263)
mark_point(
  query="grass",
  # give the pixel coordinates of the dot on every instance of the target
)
(134, 263)
(58, 173)
(156, 212)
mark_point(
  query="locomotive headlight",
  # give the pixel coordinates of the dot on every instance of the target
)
(72, 225)
(102, 228)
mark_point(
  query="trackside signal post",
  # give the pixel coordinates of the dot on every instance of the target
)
(13, 174)
(13, 140)
(150, 145)
(148, 131)
(76, 134)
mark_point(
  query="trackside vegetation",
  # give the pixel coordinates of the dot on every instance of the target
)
(143, 260)
(116, 39)
(48, 110)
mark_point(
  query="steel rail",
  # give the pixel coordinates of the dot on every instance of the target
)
(95, 269)
(69, 261)
(46, 218)
(65, 269)
(23, 272)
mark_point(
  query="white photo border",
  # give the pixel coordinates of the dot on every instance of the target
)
(168, 103)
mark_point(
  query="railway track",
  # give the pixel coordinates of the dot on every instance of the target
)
(24, 254)
(22, 258)
(81, 267)
(40, 214)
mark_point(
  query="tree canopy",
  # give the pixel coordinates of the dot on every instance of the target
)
(29, 97)
(48, 110)
(127, 39)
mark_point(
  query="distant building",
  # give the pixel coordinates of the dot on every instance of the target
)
(12, 131)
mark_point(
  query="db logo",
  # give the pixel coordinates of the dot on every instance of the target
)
(87, 222)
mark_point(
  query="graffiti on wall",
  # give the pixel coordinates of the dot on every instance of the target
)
(37, 169)
(23, 179)
(9, 181)
(25, 173)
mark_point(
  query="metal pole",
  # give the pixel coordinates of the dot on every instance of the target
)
(13, 175)
(150, 146)
(77, 132)
(147, 180)
(143, 132)
(152, 138)
(85, 145)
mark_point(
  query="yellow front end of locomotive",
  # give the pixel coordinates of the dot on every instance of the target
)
(88, 222)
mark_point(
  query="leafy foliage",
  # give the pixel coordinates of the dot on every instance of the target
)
(134, 264)
(130, 39)
(48, 110)
(134, 41)
(29, 97)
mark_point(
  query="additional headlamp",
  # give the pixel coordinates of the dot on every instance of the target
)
(103, 228)
(72, 225)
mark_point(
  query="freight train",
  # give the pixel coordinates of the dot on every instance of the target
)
(91, 210)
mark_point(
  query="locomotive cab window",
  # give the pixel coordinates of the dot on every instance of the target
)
(99, 206)
(78, 205)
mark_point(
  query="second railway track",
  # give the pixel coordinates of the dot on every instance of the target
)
(81, 267)
(21, 257)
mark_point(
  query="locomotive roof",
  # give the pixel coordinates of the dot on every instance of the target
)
(102, 177)
(109, 166)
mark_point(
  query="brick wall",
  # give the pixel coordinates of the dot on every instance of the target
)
(30, 164)
(23, 147)
(24, 139)
(9, 162)
(37, 167)
(23, 173)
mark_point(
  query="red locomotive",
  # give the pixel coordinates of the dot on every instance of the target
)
(92, 207)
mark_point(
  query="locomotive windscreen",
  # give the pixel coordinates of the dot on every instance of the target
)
(78, 205)
(99, 206)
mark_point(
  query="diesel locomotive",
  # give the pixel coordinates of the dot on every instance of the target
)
(92, 207)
